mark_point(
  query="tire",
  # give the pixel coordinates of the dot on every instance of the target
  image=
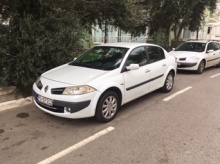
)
(201, 67)
(168, 84)
(107, 107)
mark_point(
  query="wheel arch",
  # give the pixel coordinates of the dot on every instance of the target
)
(98, 112)
(173, 71)
(116, 90)
(204, 61)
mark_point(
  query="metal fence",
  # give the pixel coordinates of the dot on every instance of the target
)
(98, 39)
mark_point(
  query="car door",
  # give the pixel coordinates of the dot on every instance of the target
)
(216, 58)
(218, 54)
(136, 82)
(211, 54)
(158, 65)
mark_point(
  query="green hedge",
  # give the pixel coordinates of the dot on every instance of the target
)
(30, 46)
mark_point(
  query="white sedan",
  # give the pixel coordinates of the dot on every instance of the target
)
(102, 79)
(197, 55)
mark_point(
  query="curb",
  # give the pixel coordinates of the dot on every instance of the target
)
(15, 103)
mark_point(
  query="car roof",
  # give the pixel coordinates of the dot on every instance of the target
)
(202, 41)
(198, 41)
(126, 44)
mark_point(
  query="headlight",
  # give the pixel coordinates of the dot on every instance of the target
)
(193, 58)
(78, 90)
(38, 83)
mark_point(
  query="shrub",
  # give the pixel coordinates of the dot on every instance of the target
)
(34, 43)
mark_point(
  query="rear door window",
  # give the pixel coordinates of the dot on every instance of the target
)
(155, 53)
(216, 46)
(137, 56)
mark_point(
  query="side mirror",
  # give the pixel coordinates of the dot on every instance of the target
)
(173, 49)
(210, 51)
(132, 67)
(74, 59)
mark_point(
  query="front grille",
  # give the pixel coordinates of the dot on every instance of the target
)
(185, 65)
(57, 91)
(182, 59)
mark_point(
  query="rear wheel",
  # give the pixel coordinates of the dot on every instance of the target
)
(107, 107)
(168, 84)
(201, 67)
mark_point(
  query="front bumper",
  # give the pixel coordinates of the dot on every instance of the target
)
(80, 106)
(58, 106)
(187, 66)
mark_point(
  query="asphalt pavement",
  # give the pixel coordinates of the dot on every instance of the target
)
(180, 127)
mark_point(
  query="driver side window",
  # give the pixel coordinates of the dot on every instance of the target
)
(210, 46)
(137, 56)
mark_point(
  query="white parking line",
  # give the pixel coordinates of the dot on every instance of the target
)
(176, 94)
(215, 75)
(76, 146)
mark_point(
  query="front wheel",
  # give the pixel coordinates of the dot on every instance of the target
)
(107, 107)
(168, 84)
(201, 67)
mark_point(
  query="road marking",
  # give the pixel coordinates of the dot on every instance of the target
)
(215, 75)
(76, 146)
(176, 94)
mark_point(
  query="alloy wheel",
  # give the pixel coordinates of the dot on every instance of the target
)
(109, 107)
(169, 82)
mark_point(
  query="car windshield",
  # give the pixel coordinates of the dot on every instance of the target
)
(101, 57)
(191, 46)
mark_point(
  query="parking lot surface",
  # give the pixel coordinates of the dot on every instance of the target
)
(182, 127)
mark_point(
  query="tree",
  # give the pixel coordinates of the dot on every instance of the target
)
(136, 22)
(104, 12)
(41, 35)
(176, 15)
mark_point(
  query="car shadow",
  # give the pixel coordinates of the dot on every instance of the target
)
(187, 72)
(131, 107)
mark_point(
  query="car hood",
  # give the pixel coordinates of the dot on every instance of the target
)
(182, 54)
(73, 75)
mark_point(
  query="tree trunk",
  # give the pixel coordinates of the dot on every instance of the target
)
(177, 33)
(106, 34)
(167, 39)
(175, 36)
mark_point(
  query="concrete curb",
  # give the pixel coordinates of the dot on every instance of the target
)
(15, 103)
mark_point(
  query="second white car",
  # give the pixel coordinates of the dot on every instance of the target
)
(197, 55)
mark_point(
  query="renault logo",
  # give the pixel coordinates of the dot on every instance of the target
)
(46, 88)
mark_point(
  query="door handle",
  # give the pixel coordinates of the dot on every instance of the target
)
(147, 70)
(163, 65)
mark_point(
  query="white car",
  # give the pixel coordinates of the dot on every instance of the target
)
(197, 55)
(102, 79)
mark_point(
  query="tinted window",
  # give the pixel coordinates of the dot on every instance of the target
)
(216, 46)
(137, 56)
(211, 46)
(101, 57)
(155, 53)
(191, 46)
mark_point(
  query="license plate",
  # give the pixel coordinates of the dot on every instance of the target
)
(45, 100)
